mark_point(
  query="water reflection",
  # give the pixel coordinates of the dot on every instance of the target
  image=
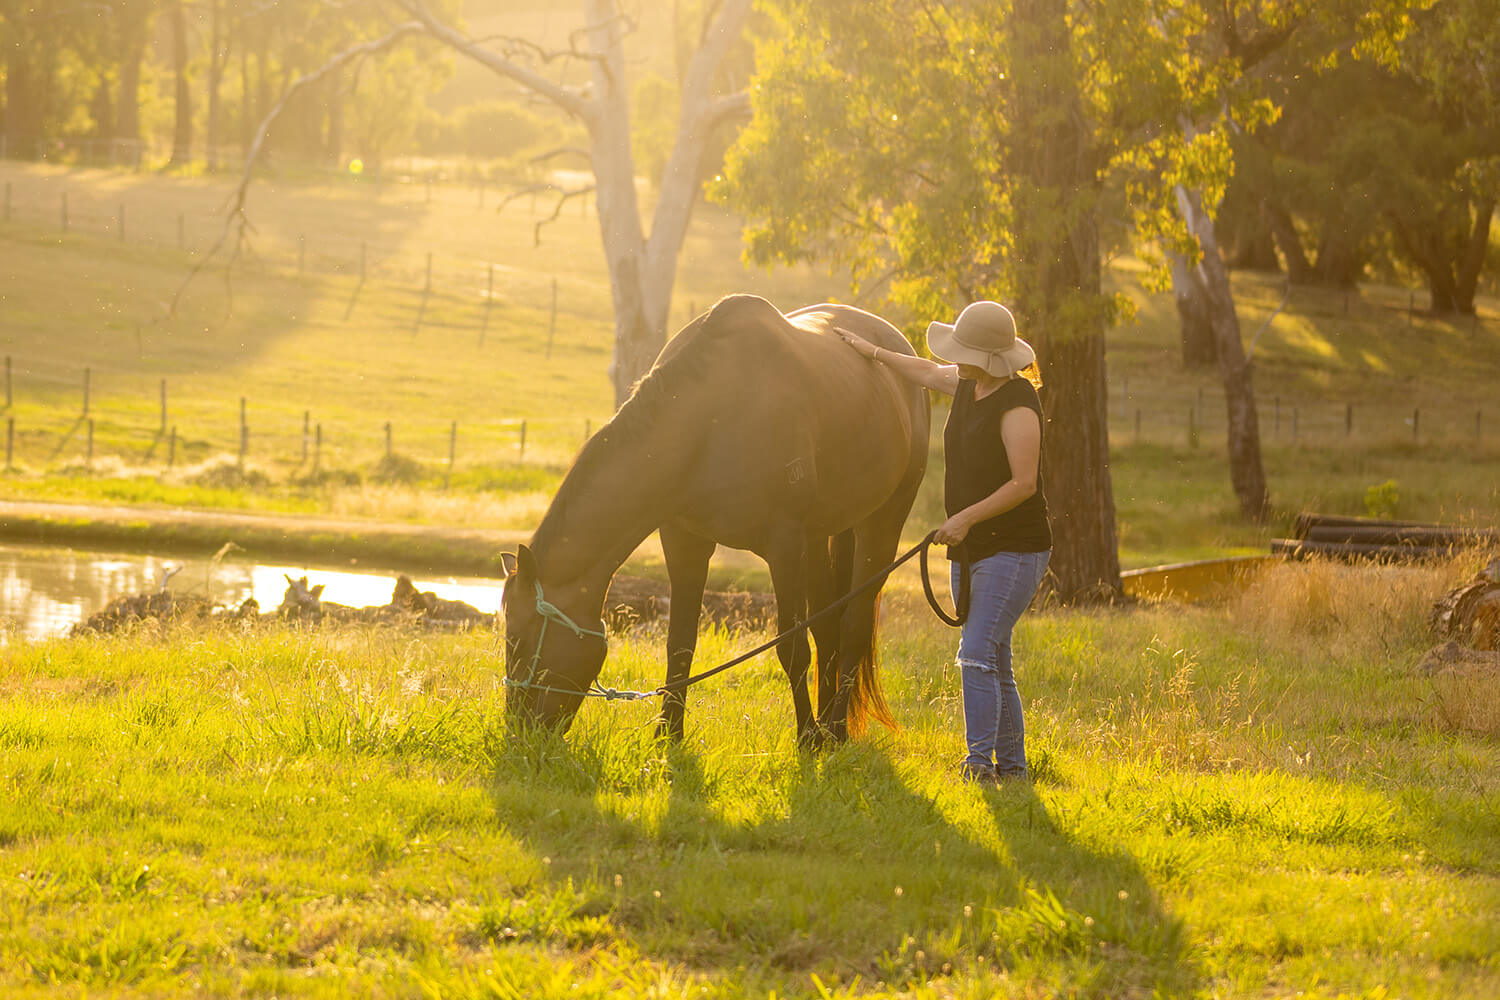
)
(44, 591)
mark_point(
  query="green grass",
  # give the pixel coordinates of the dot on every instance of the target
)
(291, 348)
(1264, 798)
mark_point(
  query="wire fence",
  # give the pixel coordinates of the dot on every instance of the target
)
(284, 435)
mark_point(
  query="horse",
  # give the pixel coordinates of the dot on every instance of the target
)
(757, 431)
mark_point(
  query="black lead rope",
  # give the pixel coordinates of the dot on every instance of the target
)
(920, 549)
(961, 609)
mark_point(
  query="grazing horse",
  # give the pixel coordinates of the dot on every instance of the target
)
(754, 430)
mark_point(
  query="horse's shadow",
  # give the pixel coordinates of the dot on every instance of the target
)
(842, 866)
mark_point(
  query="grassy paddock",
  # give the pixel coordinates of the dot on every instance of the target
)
(1263, 798)
(1340, 379)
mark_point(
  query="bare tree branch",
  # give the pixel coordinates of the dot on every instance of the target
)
(571, 101)
(560, 151)
(235, 207)
(556, 211)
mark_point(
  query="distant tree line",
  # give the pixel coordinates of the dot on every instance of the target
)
(198, 76)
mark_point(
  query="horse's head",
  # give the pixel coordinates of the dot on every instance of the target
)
(552, 654)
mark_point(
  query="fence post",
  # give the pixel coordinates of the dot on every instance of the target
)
(489, 300)
(1137, 426)
(387, 440)
(552, 324)
(452, 450)
(523, 442)
(317, 447)
(1416, 420)
(1348, 419)
(1192, 427)
(163, 406)
(426, 291)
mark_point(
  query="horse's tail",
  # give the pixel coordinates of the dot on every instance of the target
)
(865, 700)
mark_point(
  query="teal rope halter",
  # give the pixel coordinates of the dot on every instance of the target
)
(552, 613)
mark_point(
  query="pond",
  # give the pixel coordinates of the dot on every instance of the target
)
(45, 590)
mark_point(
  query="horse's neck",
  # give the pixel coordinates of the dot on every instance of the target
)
(617, 494)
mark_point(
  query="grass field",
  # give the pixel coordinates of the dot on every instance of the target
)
(307, 347)
(1260, 799)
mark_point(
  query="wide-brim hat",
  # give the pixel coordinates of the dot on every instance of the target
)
(984, 335)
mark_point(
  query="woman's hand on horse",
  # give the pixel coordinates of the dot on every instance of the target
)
(854, 340)
(953, 531)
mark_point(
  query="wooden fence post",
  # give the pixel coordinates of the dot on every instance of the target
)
(523, 442)
(1348, 419)
(1192, 427)
(489, 300)
(317, 447)
(387, 440)
(1137, 426)
(552, 324)
(426, 291)
(452, 451)
(1416, 420)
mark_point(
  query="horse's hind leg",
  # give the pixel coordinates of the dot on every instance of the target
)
(687, 557)
(858, 689)
(828, 579)
(788, 558)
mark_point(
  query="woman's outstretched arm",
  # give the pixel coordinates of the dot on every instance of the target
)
(939, 378)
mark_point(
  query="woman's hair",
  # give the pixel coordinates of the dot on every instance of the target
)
(1033, 374)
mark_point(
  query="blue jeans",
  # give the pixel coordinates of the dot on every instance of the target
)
(1000, 588)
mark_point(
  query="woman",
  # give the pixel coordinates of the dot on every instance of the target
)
(997, 527)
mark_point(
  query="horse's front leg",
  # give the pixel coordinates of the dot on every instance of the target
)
(687, 557)
(787, 558)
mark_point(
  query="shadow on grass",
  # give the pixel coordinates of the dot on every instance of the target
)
(839, 866)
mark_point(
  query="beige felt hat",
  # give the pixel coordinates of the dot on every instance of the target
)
(984, 335)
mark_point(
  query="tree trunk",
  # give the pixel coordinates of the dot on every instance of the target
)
(1471, 264)
(216, 60)
(182, 132)
(1298, 270)
(1059, 301)
(1245, 469)
(1200, 349)
(133, 52)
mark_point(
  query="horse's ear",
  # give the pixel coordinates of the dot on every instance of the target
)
(507, 564)
(525, 562)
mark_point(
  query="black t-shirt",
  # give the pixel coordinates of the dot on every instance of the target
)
(977, 466)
